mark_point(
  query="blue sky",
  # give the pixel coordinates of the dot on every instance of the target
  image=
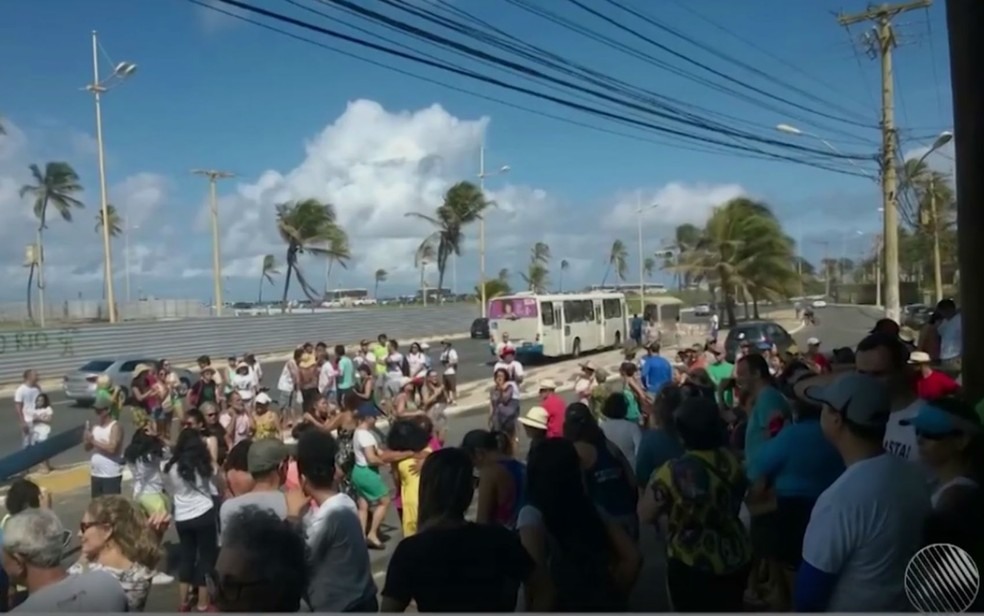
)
(212, 91)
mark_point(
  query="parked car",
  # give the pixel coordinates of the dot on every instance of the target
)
(916, 316)
(80, 385)
(480, 329)
(756, 332)
(819, 303)
(702, 310)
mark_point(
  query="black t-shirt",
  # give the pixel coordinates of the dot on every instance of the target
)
(472, 568)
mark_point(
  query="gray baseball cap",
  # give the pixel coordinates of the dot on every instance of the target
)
(265, 455)
(860, 398)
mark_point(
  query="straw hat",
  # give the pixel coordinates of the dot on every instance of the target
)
(536, 417)
(140, 369)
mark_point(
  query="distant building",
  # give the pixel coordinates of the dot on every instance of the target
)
(630, 288)
(433, 294)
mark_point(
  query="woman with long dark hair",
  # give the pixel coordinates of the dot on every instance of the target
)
(660, 443)
(500, 477)
(469, 567)
(190, 472)
(584, 561)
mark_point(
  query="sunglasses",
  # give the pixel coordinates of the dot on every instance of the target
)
(84, 526)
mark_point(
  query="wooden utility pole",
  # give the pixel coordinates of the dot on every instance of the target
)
(965, 19)
(882, 45)
(213, 177)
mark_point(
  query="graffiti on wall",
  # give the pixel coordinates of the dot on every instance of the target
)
(61, 341)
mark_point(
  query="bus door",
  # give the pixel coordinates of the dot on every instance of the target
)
(551, 327)
(600, 323)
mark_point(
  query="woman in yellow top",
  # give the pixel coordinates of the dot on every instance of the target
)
(410, 436)
(696, 500)
(266, 421)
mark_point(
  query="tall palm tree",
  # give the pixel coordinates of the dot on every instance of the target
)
(336, 251)
(425, 255)
(268, 269)
(115, 221)
(540, 253)
(56, 188)
(618, 257)
(463, 204)
(685, 239)
(309, 226)
(648, 266)
(564, 266)
(503, 275)
(379, 276)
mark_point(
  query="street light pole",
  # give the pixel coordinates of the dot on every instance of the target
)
(126, 250)
(482, 174)
(642, 254)
(213, 178)
(97, 87)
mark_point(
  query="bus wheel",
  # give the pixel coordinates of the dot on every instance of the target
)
(577, 347)
(618, 339)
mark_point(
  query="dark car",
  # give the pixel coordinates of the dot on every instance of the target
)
(756, 332)
(480, 329)
(917, 316)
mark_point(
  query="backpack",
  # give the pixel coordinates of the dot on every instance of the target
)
(405, 366)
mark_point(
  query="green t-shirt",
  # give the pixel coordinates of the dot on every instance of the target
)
(719, 372)
(380, 353)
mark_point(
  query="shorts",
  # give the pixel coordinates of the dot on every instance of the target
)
(153, 503)
(340, 395)
(393, 384)
(438, 417)
(159, 414)
(451, 382)
(369, 485)
(38, 433)
(286, 399)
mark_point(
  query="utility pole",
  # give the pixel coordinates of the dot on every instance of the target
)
(878, 271)
(934, 214)
(213, 178)
(882, 45)
(827, 269)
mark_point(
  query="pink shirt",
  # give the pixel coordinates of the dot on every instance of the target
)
(555, 407)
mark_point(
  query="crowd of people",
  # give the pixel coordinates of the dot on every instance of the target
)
(782, 481)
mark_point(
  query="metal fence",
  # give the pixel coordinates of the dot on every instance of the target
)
(54, 351)
(92, 310)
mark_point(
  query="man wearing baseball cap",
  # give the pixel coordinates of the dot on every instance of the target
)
(866, 527)
(931, 384)
(267, 464)
(815, 356)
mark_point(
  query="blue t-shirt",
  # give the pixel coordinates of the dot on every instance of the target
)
(799, 462)
(346, 373)
(656, 448)
(656, 372)
(769, 403)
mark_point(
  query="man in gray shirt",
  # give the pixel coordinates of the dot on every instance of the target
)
(33, 546)
(267, 463)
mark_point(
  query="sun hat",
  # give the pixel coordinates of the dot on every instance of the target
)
(862, 399)
(536, 417)
(919, 357)
(263, 398)
(265, 455)
(547, 385)
(424, 346)
(140, 369)
(813, 341)
(944, 418)
(587, 365)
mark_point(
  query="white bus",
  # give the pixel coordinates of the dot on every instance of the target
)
(556, 325)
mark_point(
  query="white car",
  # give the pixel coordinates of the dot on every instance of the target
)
(702, 310)
(819, 303)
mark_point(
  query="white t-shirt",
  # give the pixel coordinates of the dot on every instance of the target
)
(394, 364)
(901, 440)
(363, 439)
(514, 368)
(190, 500)
(951, 337)
(147, 478)
(418, 365)
(449, 359)
(341, 573)
(244, 384)
(27, 395)
(865, 528)
(286, 380)
(326, 377)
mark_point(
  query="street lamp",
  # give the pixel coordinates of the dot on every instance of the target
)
(642, 259)
(482, 174)
(127, 228)
(792, 130)
(122, 71)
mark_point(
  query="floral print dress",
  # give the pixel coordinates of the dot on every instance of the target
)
(345, 460)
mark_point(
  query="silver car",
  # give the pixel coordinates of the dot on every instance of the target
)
(80, 385)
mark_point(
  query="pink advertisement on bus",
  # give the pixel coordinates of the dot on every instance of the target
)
(514, 308)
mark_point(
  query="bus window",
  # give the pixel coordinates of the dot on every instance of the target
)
(573, 312)
(587, 306)
(517, 308)
(612, 308)
(546, 313)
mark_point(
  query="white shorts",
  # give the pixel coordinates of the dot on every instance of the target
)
(38, 433)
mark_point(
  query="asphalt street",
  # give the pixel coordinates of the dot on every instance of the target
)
(839, 326)
(473, 356)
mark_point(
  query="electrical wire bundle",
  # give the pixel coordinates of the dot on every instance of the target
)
(442, 36)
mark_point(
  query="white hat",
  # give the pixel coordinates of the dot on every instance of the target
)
(424, 346)
(536, 417)
(919, 357)
(263, 398)
(587, 365)
(813, 341)
(548, 384)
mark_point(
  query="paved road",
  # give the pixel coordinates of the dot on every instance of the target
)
(838, 327)
(473, 356)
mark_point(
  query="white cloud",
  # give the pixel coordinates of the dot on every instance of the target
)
(942, 159)
(675, 204)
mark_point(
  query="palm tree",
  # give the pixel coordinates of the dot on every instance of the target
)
(337, 251)
(268, 269)
(309, 226)
(618, 260)
(115, 221)
(463, 204)
(380, 276)
(540, 253)
(503, 275)
(494, 287)
(426, 254)
(564, 266)
(685, 240)
(56, 188)
(648, 266)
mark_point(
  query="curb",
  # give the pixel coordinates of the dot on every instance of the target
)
(54, 384)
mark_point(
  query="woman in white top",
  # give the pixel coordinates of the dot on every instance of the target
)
(417, 361)
(394, 368)
(189, 475)
(509, 363)
(584, 382)
(244, 383)
(105, 441)
(144, 455)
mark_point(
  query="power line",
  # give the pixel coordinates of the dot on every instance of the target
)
(540, 95)
(932, 59)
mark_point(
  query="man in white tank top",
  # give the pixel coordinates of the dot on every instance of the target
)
(105, 440)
